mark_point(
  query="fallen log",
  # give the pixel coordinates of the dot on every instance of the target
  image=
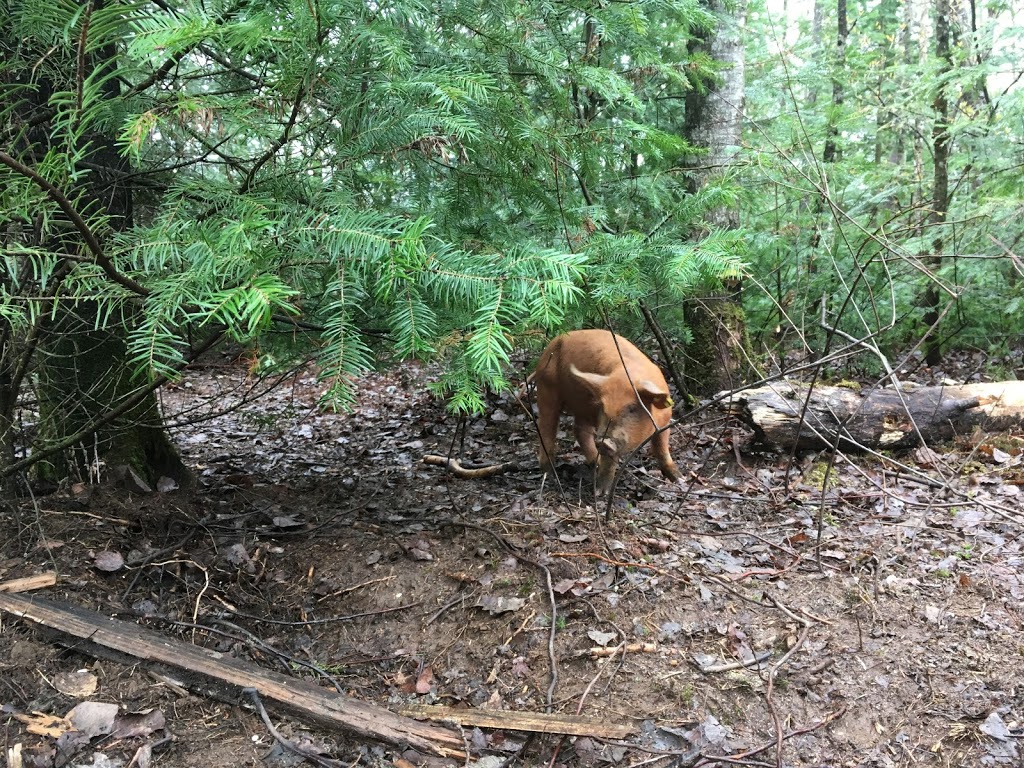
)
(209, 668)
(784, 416)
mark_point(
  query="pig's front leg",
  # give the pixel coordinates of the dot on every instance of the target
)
(585, 433)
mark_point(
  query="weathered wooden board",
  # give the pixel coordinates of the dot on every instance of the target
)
(324, 706)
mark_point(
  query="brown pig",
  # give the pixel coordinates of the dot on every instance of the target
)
(617, 396)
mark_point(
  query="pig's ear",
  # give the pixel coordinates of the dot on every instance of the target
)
(593, 381)
(653, 396)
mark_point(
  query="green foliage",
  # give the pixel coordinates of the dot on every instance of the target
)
(856, 238)
(441, 178)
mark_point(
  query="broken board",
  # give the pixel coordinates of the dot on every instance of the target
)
(324, 706)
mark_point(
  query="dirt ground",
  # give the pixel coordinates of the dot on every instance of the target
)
(742, 617)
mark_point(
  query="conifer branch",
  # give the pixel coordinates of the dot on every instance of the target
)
(80, 224)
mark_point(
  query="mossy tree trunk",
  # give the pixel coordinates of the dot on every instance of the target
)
(718, 359)
(719, 356)
(83, 374)
(73, 355)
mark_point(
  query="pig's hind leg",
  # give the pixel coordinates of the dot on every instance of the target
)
(549, 407)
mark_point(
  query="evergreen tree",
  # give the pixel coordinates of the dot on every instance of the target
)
(443, 177)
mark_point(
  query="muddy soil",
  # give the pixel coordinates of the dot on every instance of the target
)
(742, 617)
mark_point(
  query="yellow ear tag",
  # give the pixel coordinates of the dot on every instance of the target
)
(668, 401)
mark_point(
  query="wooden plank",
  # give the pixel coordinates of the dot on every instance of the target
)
(29, 583)
(324, 706)
(536, 722)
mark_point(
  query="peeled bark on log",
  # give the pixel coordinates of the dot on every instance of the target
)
(878, 419)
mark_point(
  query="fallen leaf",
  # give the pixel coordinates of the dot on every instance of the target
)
(69, 744)
(926, 457)
(995, 727)
(419, 549)
(93, 718)
(237, 555)
(108, 561)
(424, 680)
(567, 538)
(138, 724)
(601, 638)
(563, 586)
(709, 732)
(835, 554)
(495, 605)
(76, 684)
(406, 683)
(738, 641)
(603, 582)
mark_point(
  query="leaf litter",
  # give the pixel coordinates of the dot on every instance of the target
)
(744, 615)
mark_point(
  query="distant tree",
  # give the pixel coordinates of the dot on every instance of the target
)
(941, 145)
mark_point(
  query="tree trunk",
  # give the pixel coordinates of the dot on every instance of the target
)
(83, 373)
(78, 355)
(979, 50)
(831, 151)
(817, 24)
(719, 356)
(885, 116)
(940, 180)
(823, 218)
(10, 385)
(784, 417)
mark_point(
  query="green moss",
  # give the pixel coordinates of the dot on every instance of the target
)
(718, 330)
(820, 478)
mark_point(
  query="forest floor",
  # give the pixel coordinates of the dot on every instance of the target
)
(880, 622)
